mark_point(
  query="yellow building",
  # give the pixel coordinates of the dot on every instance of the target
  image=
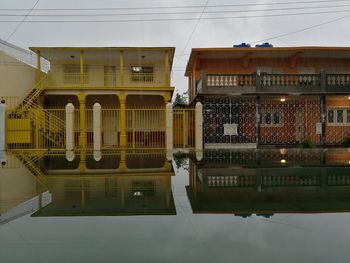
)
(129, 86)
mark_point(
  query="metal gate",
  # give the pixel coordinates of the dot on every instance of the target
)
(184, 128)
(230, 120)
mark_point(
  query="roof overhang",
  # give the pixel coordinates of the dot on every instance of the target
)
(274, 52)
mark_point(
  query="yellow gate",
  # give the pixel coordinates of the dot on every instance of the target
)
(184, 128)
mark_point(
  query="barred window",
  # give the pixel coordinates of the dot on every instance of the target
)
(330, 116)
(276, 118)
(340, 117)
(271, 118)
(267, 118)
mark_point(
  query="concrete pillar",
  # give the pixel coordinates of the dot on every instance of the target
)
(97, 126)
(199, 127)
(70, 156)
(69, 127)
(169, 126)
(2, 124)
(97, 156)
(3, 158)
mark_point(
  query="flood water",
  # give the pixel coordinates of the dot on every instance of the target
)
(280, 205)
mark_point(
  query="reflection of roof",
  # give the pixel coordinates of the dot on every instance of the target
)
(281, 52)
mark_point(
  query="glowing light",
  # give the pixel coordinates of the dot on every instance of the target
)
(282, 99)
(283, 161)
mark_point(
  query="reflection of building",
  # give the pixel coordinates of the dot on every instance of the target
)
(270, 181)
(271, 95)
(117, 184)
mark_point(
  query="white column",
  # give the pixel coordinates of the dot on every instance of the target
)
(169, 126)
(69, 126)
(70, 156)
(199, 127)
(97, 126)
(2, 125)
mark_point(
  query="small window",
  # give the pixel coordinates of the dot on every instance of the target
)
(330, 116)
(142, 74)
(348, 116)
(276, 118)
(267, 118)
(340, 117)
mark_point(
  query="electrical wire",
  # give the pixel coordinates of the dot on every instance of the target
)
(176, 13)
(21, 22)
(301, 30)
(176, 19)
(175, 7)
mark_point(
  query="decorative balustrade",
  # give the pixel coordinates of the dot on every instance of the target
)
(274, 83)
(289, 80)
(231, 80)
(338, 80)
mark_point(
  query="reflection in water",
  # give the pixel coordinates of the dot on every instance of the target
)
(241, 182)
(117, 183)
(265, 182)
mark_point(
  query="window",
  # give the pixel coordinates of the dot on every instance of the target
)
(330, 116)
(71, 74)
(276, 118)
(338, 116)
(272, 118)
(267, 118)
(141, 74)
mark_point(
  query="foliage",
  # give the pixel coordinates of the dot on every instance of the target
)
(307, 143)
(346, 141)
(180, 99)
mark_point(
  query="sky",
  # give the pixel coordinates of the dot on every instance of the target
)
(321, 23)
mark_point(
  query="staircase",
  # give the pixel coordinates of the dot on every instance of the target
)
(50, 127)
(29, 160)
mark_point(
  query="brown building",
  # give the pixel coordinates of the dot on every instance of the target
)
(271, 95)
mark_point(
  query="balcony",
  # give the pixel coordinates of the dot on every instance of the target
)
(273, 83)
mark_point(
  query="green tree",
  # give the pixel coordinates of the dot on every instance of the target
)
(180, 99)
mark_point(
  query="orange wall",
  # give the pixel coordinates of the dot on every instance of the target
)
(283, 65)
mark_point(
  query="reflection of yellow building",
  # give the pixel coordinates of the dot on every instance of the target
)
(257, 182)
(118, 183)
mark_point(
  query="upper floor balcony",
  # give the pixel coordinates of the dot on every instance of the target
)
(266, 83)
(107, 68)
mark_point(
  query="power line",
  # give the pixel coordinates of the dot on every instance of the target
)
(177, 19)
(175, 7)
(302, 30)
(21, 22)
(177, 13)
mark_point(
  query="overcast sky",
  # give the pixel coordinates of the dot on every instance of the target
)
(195, 33)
